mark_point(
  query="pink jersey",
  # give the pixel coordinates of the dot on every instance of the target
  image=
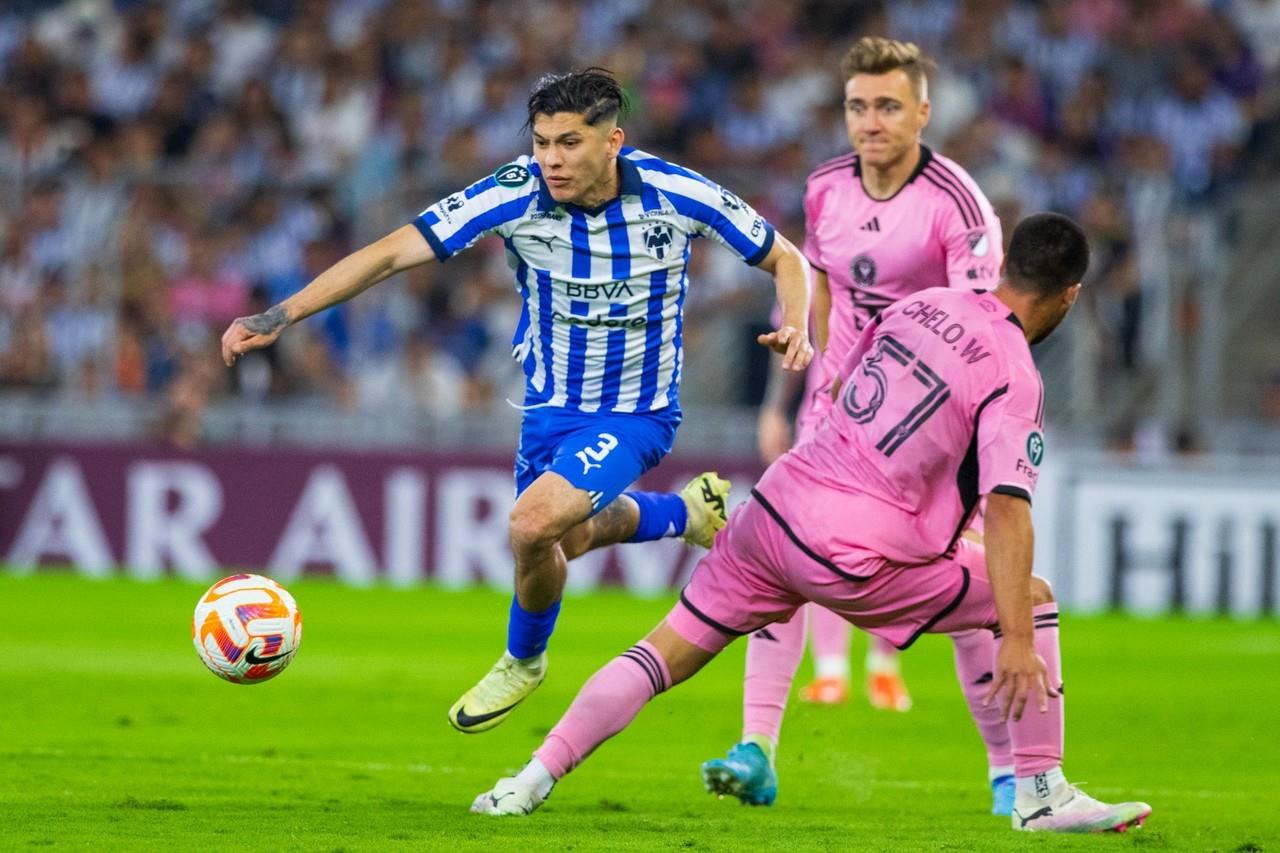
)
(940, 405)
(938, 230)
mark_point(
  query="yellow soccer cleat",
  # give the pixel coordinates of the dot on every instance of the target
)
(492, 700)
(705, 498)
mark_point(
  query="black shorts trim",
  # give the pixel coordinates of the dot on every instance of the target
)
(942, 614)
(822, 561)
(723, 629)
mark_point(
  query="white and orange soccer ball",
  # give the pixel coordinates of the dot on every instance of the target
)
(246, 628)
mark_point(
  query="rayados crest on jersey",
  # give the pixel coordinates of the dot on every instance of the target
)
(512, 175)
(658, 239)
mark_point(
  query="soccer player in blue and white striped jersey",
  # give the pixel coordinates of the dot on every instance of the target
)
(599, 237)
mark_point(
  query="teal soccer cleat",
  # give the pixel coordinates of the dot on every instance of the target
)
(1003, 791)
(744, 773)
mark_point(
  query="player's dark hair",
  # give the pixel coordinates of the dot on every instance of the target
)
(594, 93)
(1048, 253)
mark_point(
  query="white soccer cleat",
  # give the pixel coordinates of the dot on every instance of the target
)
(1071, 810)
(706, 502)
(492, 700)
(508, 797)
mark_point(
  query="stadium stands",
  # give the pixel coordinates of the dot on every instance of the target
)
(166, 167)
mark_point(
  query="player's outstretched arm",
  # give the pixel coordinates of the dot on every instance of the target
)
(401, 249)
(1010, 545)
(790, 273)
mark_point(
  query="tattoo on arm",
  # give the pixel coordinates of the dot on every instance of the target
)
(268, 322)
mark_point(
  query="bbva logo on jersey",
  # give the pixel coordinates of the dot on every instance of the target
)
(658, 239)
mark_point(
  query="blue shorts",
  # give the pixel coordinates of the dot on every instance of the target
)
(601, 454)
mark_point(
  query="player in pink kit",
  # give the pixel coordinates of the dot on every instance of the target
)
(937, 406)
(884, 222)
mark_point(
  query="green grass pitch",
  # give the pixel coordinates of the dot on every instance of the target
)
(114, 737)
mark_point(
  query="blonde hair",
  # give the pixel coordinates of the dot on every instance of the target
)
(878, 55)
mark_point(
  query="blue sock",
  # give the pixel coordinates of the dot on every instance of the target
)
(661, 515)
(527, 633)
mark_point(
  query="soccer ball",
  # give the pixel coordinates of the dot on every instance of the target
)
(246, 628)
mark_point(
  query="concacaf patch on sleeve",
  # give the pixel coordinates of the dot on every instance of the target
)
(512, 175)
(1035, 448)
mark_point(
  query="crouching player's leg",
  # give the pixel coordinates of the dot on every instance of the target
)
(975, 655)
(734, 591)
(1033, 708)
(607, 704)
(1045, 800)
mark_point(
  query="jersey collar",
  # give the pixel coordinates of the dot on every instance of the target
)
(926, 157)
(629, 183)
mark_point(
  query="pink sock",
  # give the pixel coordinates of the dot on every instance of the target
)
(773, 654)
(883, 646)
(1037, 737)
(830, 637)
(975, 659)
(605, 705)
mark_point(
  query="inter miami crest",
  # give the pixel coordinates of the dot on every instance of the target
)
(658, 237)
(863, 269)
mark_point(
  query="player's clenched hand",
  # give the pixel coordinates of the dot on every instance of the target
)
(1021, 674)
(792, 344)
(250, 333)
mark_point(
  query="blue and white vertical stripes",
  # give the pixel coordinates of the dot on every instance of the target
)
(603, 289)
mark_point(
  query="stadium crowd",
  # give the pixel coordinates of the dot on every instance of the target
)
(170, 166)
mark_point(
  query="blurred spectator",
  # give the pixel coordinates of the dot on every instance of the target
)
(1112, 281)
(1259, 21)
(1019, 96)
(209, 293)
(1200, 124)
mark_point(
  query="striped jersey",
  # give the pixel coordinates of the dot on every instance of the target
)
(603, 288)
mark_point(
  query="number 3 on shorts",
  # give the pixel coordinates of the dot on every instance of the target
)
(593, 457)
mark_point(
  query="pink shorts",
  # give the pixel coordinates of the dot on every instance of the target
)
(759, 572)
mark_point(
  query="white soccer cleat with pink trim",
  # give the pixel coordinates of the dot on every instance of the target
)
(1069, 809)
